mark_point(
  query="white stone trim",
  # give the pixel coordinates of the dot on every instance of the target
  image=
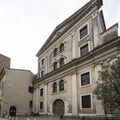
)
(83, 114)
(41, 113)
(74, 94)
(81, 28)
(45, 98)
(50, 113)
(67, 114)
(90, 73)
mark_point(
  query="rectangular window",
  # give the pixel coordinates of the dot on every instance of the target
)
(31, 104)
(85, 79)
(30, 89)
(42, 62)
(83, 31)
(41, 105)
(42, 73)
(41, 92)
(84, 50)
(86, 101)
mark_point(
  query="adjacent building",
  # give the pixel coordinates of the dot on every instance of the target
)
(16, 91)
(69, 61)
(4, 62)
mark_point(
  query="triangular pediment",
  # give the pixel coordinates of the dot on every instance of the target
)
(68, 23)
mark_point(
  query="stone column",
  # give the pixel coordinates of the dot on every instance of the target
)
(34, 100)
(37, 99)
(99, 108)
(74, 95)
(73, 45)
(38, 75)
(45, 98)
(96, 30)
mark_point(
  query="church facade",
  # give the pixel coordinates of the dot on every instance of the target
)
(69, 62)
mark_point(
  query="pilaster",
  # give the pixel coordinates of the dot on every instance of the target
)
(37, 99)
(74, 95)
(45, 98)
(73, 45)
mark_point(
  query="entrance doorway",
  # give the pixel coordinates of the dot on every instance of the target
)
(12, 111)
(58, 107)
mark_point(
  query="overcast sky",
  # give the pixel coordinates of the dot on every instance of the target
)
(26, 24)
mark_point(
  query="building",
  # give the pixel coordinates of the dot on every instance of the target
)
(16, 91)
(4, 62)
(69, 61)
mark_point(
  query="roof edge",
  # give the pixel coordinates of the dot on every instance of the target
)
(98, 3)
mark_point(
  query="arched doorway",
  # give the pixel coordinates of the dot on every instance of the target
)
(58, 107)
(12, 111)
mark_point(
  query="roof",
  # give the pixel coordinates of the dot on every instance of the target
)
(69, 22)
(4, 69)
(4, 56)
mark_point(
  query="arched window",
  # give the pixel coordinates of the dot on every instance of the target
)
(55, 52)
(55, 65)
(42, 62)
(42, 73)
(61, 85)
(61, 62)
(61, 47)
(54, 87)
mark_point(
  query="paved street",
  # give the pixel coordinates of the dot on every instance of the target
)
(42, 118)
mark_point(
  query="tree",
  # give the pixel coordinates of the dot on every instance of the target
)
(108, 87)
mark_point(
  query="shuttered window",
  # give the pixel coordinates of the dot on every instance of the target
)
(83, 31)
(85, 79)
(84, 50)
(86, 101)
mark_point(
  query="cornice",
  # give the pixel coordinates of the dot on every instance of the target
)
(77, 63)
(70, 22)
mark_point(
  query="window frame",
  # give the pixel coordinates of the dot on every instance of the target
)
(86, 24)
(41, 92)
(62, 47)
(54, 87)
(55, 64)
(83, 46)
(90, 79)
(61, 86)
(62, 60)
(55, 52)
(91, 101)
(41, 105)
(43, 62)
(42, 73)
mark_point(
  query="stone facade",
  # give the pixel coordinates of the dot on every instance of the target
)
(4, 62)
(69, 61)
(15, 91)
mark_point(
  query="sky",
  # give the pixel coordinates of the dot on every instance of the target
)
(26, 24)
